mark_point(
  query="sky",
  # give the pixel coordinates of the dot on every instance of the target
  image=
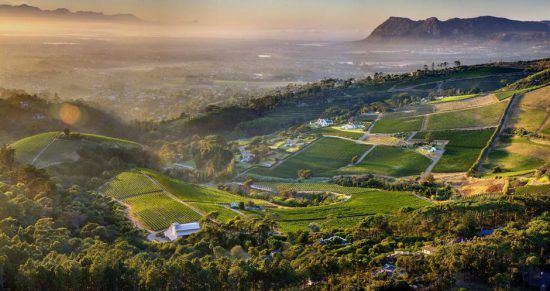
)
(330, 19)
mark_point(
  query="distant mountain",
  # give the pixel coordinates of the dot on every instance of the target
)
(486, 28)
(25, 10)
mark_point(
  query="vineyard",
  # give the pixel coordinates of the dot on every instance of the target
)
(130, 184)
(321, 158)
(148, 203)
(156, 211)
(298, 187)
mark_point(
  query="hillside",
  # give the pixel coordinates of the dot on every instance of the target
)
(485, 28)
(23, 114)
(28, 11)
(54, 148)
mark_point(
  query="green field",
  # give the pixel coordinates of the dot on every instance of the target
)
(156, 211)
(61, 149)
(347, 213)
(27, 148)
(336, 131)
(390, 161)
(453, 98)
(543, 189)
(489, 115)
(462, 150)
(517, 154)
(147, 199)
(306, 186)
(397, 124)
(322, 158)
(503, 94)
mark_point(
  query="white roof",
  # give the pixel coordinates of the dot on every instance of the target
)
(186, 226)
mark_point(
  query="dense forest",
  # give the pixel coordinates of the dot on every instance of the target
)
(55, 238)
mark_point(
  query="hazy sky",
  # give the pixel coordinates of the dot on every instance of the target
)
(336, 19)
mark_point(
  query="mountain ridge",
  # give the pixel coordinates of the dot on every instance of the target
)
(488, 28)
(25, 10)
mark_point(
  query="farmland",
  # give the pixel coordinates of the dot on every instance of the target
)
(53, 147)
(397, 124)
(462, 150)
(466, 103)
(346, 213)
(453, 98)
(150, 201)
(308, 186)
(531, 111)
(322, 157)
(336, 131)
(157, 211)
(475, 117)
(390, 161)
(503, 94)
(517, 154)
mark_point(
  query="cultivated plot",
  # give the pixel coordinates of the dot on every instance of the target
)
(321, 158)
(390, 161)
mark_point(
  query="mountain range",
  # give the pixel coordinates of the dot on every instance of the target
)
(25, 10)
(486, 28)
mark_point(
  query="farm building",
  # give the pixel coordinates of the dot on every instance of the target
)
(177, 230)
(324, 122)
(352, 126)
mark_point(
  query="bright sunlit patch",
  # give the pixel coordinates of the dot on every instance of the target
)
(69, 113)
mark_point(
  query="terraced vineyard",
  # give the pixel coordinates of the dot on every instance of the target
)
(462, 150)
(322, 157)
(346, 213)
(130, 184)
(145, 192)
(312, 187)
(157, 211)
(390, 161)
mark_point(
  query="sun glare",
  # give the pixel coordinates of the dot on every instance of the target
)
(69, 113)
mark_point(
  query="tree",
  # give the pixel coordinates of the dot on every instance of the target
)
(67, 131)
(304, 174)
(354, 159)
(429, 137)
(314, 227)
(241, 205)
(457, 63)
(7, 156)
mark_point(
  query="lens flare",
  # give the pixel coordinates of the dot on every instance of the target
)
(70, 114)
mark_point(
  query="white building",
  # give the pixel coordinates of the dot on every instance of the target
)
(324, 122)
(177, 230)
(351, 126)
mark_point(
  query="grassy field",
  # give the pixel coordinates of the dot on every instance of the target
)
(395, 124)
(322, 157)
(336, 131)
(475, 117)
(62, 149)
(462, 150)
(517, 154)
(390, 161)
(307, 186)
(531, 110)
(347, 213)
(453, 98)
(503, 94)
(27, 148)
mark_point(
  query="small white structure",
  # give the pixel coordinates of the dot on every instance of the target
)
(351, 126)
(324, 122)
(177, 230)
